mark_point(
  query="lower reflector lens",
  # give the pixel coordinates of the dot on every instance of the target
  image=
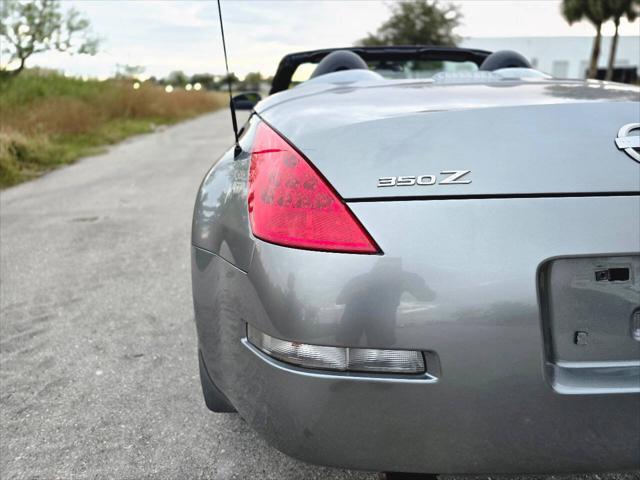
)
(385, 361)
(338, 358)
(311, 356)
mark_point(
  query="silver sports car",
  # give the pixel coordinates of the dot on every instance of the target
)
(427, 260)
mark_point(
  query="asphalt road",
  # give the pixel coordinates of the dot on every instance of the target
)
(98, 366)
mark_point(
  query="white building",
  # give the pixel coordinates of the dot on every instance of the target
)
(562, 57)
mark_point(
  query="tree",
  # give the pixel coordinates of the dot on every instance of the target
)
(252, 81)
(124, 70)
(205, 79)
(417, 22)
(177, 78)
(594, 11)
(38, 26)
(224, 80)
(616, 10)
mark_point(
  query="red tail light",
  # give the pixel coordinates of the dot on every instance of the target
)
(291, 204)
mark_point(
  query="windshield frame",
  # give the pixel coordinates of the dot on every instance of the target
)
(289, 63)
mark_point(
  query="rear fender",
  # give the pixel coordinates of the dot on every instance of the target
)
(220, 216)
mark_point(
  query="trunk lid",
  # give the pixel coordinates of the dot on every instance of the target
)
(513, 138)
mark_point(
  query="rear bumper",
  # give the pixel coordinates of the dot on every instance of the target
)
(425, 426)
(492, 408)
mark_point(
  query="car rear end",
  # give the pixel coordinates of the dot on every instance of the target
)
(458, 292)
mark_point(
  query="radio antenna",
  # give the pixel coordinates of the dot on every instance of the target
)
(226, 65)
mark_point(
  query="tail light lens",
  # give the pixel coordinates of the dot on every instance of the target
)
(291, 204)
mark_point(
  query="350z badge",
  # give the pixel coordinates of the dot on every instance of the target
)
(450, 177)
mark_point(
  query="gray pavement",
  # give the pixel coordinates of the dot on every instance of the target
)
(98, 366)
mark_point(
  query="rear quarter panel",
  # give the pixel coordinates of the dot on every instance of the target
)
(220, 217)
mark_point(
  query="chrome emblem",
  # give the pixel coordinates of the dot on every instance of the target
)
(453, 177)
(629, 143)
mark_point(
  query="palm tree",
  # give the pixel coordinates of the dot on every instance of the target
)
(595, 12)
(616, 9)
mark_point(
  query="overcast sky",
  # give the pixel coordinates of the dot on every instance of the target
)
(185, 35)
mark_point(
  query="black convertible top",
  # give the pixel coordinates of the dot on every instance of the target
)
(289, 63)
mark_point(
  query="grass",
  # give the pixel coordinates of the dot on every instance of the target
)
(48, 120)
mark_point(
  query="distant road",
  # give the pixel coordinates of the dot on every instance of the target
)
(98, 366)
